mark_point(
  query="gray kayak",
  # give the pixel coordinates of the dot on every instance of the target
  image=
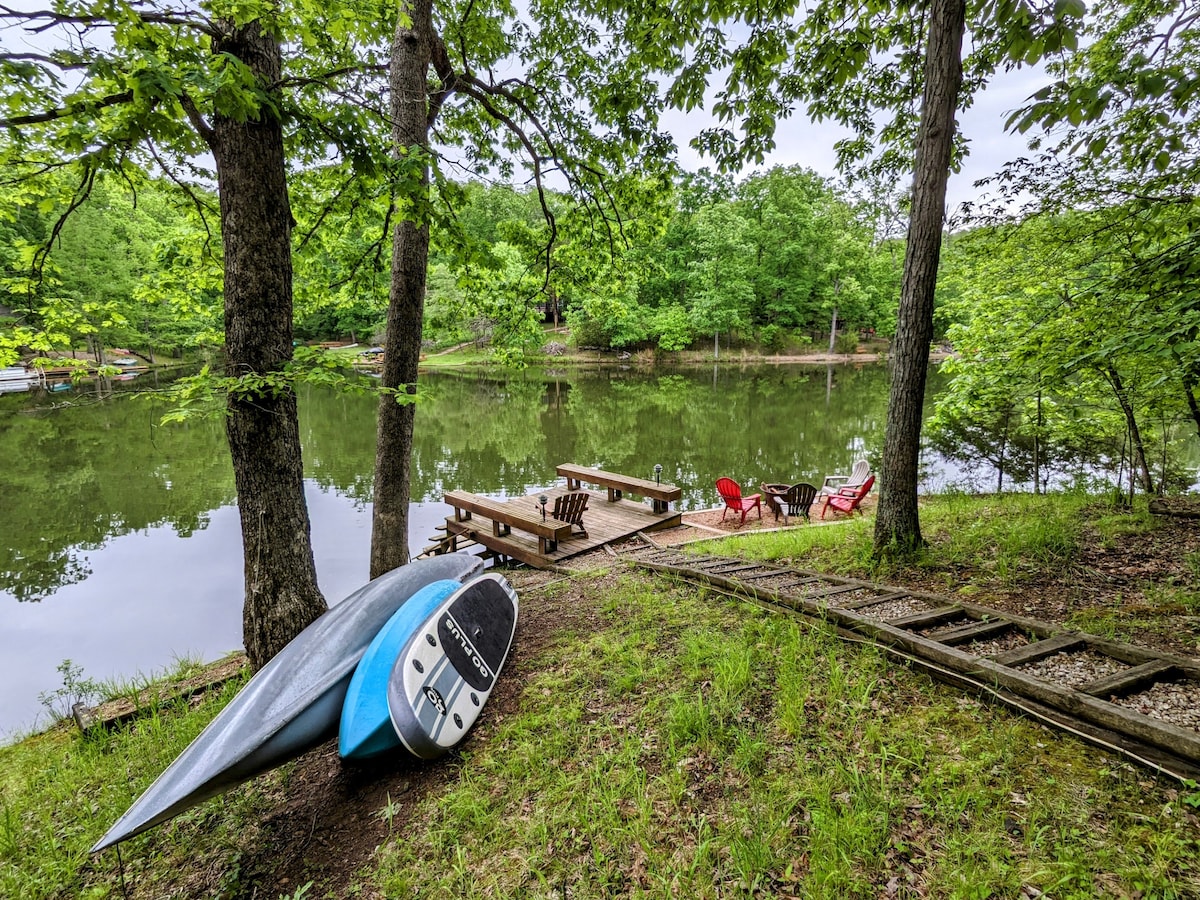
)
(291, 705)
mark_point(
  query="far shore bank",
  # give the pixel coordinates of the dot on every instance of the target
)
(878, 353)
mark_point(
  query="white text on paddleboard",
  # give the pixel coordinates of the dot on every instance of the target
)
(465, 642)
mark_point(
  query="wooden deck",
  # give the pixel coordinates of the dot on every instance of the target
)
(606, 521)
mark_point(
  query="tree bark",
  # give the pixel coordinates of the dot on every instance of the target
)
(1189, 392)
(1037, 448)
(411, 55)
(282, 596)
(1137, 455)
(897, 525)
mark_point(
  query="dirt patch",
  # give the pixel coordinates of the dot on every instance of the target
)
(720, 521)
(1139, 587)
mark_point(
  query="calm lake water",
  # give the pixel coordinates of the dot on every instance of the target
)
(120, 547)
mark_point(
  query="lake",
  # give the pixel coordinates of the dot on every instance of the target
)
(120, 546)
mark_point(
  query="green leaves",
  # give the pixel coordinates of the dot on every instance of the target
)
(1049, 310)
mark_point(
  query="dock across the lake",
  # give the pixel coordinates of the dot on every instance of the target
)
(523, 529)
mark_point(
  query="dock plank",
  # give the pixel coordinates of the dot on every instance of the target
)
(606, 521)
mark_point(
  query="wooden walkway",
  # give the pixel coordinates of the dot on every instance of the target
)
(1129, 699)
(606, 521)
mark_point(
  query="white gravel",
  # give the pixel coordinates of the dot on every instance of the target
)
(893, 609)
(1177, 702)
(1073, 670)
(995, 646)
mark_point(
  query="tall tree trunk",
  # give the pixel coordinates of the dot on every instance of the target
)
(1002, 456)
(833, 331)
(1137, 450)
(411, 52)
(282, 596)
(1037, 447)
(897, 524)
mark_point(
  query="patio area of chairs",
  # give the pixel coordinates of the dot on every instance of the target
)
(841, 493)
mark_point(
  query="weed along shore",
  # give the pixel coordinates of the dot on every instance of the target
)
(650, 737)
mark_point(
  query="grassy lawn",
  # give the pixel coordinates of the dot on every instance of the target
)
(664, 741)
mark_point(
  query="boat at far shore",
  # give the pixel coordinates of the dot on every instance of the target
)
(19, 378)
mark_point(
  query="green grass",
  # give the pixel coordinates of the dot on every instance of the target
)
(61, 790)
(470, 356)
(1003, 539)
(680, 744)
(754, 754)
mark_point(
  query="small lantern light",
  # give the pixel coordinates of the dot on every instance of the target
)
(658, 473)
(542, 499)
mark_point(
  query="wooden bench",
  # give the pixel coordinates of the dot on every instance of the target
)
(506, 516)
(660, 494)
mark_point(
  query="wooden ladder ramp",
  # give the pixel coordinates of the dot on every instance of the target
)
(1139, 702)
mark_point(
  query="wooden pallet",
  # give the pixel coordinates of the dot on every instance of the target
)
(120, 710)
(947, 636)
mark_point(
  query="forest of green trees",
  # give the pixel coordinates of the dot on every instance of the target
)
(1073, 332)
(769, 260)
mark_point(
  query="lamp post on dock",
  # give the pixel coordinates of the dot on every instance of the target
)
(658, 473)
(542, 499)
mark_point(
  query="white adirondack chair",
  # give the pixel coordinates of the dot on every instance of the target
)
(857, 477)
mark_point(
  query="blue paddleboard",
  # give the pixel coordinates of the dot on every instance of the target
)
(366, 728)
(448, 667)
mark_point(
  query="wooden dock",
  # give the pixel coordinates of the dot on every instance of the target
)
(606, 521)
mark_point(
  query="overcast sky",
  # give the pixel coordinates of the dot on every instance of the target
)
(800, 142)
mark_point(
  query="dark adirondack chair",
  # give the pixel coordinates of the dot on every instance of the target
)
(570, 508)
(799, 499)
(847, 499)
(731, 493)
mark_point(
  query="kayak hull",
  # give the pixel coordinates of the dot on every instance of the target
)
(291, 705)
(366, 727)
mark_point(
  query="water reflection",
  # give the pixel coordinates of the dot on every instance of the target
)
(120, 543)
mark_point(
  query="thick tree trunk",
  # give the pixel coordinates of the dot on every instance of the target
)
(282, 596)
(411, 52)
(896, 520)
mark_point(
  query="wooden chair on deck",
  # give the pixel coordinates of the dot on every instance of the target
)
(570, 508)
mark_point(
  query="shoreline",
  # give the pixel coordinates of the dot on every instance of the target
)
(445, 359)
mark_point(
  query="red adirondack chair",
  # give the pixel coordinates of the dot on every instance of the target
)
(847, 499)
(731, 493)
